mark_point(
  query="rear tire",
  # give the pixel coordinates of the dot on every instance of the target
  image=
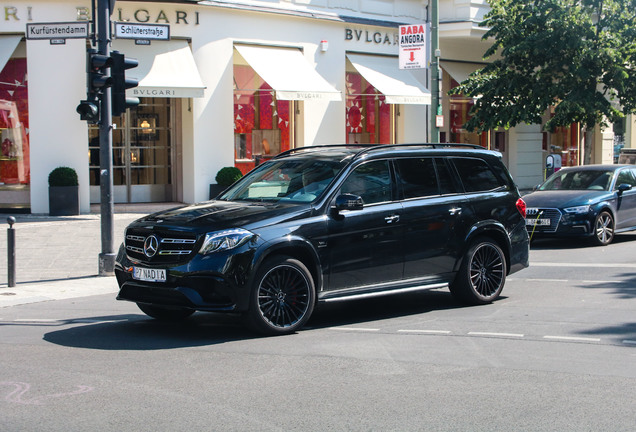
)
(165, 314)
(282, 297)
(482, 273)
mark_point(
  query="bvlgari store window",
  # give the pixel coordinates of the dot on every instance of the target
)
(262, 124)
(370, 120)
(142, 152)
(14, 124)
(375, 88)
(268, 83)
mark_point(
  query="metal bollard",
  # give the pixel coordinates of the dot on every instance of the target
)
(11, 250)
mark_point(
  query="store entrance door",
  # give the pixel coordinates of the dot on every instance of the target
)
(143, 154)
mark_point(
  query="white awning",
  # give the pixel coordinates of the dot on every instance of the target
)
(166, 69)
(8, 44)
(288, 73)
(460, 71)
(399, 86)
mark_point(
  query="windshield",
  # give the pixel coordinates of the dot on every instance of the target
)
(579, 180)
(285, 180)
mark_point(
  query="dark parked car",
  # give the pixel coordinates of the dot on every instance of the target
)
(595, 201)
(331, 223)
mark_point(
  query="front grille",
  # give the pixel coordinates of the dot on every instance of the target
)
(170, 247)
(545, 213)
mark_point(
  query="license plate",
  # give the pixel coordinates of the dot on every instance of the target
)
(149, 275)
(539, 222)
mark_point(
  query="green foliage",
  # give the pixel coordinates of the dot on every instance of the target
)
(63, 176)
(228, 175)
(575, 55)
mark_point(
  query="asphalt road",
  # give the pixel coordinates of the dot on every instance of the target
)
(556, 353)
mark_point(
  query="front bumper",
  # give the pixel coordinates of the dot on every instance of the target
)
(563, 224)
(206, 283)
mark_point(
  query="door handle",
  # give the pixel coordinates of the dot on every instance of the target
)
(455, 211)
(392, 219)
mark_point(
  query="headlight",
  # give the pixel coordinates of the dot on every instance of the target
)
(224, 240)
(577, 209)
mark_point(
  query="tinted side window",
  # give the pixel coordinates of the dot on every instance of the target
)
(476, 175)
(417, 177)
(371, 181)
(447, 184)
(626, 176)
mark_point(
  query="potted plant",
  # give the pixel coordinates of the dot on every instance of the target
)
(224, 178)
(63, 192)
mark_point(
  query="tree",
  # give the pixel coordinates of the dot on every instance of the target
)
(576, 55)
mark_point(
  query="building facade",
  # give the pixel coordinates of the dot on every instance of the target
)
(237, 83)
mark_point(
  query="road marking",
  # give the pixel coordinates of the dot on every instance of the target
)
(425, 331)
(629, 342)
(606, 265)
(360, 329)
(541, 280)
(517, 335)
(571, 338)
(37, 320)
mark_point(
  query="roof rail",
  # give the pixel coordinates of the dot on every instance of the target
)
(430, 145)
(370, 147)
(320, 147)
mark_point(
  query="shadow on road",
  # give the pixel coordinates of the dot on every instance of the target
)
(139, 333)
(624, 286)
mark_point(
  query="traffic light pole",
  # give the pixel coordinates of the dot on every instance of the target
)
(107, 203)
(434, 70)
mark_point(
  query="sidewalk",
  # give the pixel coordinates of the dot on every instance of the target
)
(58, 257)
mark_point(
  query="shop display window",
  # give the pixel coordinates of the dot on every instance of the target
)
(14, 124)
(141, 145)
(370, 120)
(564, 144)
(262, 126)
(460, 107)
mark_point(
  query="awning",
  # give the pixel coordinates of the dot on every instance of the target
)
(288, 73)
(8, 44)
(460, 71)
(166, 69)
(399, 86)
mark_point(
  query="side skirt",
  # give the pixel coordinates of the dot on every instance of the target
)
(365, 292)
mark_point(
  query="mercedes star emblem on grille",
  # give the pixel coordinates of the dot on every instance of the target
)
(151, 245)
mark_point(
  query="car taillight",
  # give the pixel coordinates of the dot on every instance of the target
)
(521, 206)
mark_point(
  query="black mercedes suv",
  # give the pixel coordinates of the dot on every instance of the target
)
(331, 223)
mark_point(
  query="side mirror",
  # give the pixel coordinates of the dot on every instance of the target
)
(624, 187)
(348, 202)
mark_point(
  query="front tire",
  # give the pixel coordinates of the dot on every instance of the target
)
(165, 314)
(282, 296)
(603, 229)
(482, 273)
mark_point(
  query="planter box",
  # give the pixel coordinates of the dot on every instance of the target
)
(64, 200)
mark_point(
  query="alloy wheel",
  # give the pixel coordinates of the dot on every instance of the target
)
(604, 228)
(487, 270)
(284, 296)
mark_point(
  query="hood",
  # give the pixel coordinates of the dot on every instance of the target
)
(214, 215)
(562, 199)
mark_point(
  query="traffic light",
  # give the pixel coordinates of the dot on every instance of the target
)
(96, 82)
(89, 110)
(96, 68)
(120, 83)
